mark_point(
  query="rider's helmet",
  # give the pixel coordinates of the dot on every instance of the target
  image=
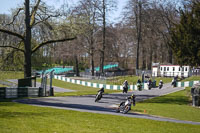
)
(160, 80)
(132, 96)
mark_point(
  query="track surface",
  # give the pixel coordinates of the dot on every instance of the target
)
(107, 104)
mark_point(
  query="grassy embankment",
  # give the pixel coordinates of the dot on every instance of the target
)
(176, 105)
(20, 118)
(9, 75)
(193, 78)
(78, 89)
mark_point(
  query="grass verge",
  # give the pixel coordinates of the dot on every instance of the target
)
(20, 118)
(193, 78)
(11, 75)
(79, 89)
(175, 105)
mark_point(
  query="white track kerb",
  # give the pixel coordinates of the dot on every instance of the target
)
(117, 87)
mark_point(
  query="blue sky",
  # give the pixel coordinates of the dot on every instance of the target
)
(6, 5)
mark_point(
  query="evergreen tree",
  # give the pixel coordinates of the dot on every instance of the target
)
(186, 36)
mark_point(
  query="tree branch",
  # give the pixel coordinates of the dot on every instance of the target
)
(45, 19)
(18, 49)
(12, 33)
(33, 13)
(49, 42)
(14, 17)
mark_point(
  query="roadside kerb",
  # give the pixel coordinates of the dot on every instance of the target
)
(187, 83)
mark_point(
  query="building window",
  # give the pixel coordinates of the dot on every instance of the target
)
(160, 68)
(167, 68)
(173, 68)
(179, 68)
(164, 68)
(182, 68)
(186, 69)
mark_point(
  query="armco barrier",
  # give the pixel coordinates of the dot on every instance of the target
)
(6, 92)
(2, 92)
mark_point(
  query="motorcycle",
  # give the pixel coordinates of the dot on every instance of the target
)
(160, 85)
(139, 86)
(125, 107)
(98, 96)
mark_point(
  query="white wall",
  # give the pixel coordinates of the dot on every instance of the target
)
(173, 70)
(155, 71)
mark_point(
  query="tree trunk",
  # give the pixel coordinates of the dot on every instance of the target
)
(92, 63)
(92, 49)
(162, 53)
(77, 66)
(150, 57)
(138, 26)
(155, 53)
(104, 39)
(170, 57)
(27, 42)
(144, 58)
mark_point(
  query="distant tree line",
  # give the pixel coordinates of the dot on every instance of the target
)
(38, 36)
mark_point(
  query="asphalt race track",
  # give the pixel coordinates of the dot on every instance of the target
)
(107, 104)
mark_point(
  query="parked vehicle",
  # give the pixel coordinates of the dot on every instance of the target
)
(125, 107)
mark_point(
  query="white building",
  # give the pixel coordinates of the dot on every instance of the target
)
(170, 71)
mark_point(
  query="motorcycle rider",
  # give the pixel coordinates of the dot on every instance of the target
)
(102, 91)
(150, 84)
(174, 82)
(160, 84)
(132, 97)
(125, 86)
(139, 81)
(139, 84)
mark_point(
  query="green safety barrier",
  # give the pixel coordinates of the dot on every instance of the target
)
(107, 67)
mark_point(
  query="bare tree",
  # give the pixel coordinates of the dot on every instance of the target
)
(107, 5)
(32, 18)
(87, 14)
(167, 14)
